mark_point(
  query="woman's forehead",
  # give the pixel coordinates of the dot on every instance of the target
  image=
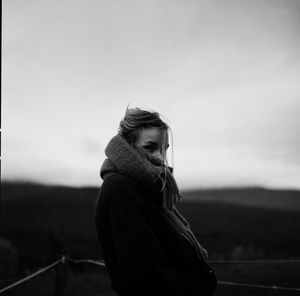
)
(153, 134)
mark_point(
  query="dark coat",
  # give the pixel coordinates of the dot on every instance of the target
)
(143, 253)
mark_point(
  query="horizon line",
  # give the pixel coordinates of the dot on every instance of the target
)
(192, 188)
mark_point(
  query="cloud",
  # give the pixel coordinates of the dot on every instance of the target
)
(91, 147)
(224, 74)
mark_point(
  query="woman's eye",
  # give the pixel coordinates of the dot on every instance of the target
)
(150, 149)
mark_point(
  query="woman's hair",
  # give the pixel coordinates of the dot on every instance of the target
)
(136, 120)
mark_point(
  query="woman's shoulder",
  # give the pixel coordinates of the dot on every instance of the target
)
(118, 180)
(121, 189)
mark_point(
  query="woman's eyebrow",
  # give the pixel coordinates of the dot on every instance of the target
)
(155, 143)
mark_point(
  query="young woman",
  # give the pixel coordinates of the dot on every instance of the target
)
(148, 247)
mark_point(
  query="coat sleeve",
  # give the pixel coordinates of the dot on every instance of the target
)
(139, 255)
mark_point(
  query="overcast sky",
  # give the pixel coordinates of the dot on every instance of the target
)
(224, 75)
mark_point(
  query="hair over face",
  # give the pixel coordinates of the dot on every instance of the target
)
(134, 121)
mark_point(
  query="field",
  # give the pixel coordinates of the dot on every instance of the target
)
(38, 223)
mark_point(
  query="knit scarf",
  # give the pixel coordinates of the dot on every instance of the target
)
(139, 164)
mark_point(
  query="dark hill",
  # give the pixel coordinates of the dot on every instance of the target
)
(253, 197)
(38, 222)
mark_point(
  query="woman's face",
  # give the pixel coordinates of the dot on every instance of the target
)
(154, 141)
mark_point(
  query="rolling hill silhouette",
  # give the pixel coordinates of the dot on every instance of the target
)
(38, 222)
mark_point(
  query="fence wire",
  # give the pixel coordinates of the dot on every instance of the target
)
(27, 278)
(66, 259)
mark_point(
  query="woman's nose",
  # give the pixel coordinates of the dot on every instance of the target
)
(159, 155)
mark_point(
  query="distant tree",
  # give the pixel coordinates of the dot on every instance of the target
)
(247, 252)
(9, 258)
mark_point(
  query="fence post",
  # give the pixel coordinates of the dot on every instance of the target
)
(61, 277)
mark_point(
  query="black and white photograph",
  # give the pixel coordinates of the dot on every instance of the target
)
(150, 148)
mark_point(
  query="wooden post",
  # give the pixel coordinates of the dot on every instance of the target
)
(61, 277)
